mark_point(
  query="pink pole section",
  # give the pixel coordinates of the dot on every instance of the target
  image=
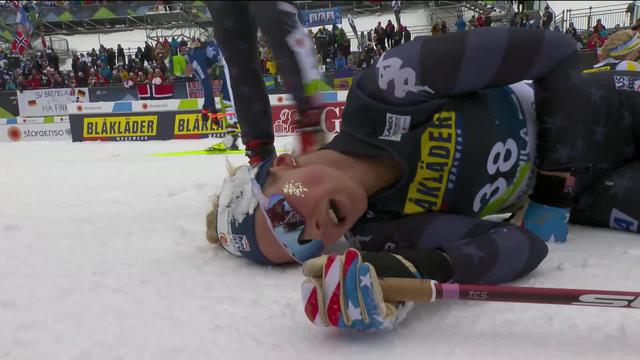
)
(580, 297)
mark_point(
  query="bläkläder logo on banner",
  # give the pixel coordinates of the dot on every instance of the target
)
(120, 126)
(192, 124)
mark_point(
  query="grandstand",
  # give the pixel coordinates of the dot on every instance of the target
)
(159, 20)
(185, 18)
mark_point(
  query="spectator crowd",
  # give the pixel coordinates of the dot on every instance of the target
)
(40, 68)
(167, 60)
(37, 69)
(333, 47)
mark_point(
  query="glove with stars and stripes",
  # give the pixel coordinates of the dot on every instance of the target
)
(343, 291)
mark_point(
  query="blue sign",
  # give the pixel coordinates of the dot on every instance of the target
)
(320, 17)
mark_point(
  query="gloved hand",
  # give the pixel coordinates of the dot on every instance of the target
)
(550, 223)
(343, 291)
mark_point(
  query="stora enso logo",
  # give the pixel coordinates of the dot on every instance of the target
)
(14, 133)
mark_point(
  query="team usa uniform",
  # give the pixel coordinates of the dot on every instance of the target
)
(472, 136)
(471, 142)
(467, 142)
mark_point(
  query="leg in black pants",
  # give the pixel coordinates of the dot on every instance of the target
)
(235, 31)
(235, 26)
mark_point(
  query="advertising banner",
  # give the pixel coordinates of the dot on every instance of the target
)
(113, 93)
(127, 107)
(269, 82)
(192, 126)
(59, 131)
(320, 17)
(50, 102)
(180, 119)
(167, 105)
(284, 117)
(175, 90)
(34, 120)
(9, 104)
(180, 90)
(118, 128)
(140, 126)
(342, 83)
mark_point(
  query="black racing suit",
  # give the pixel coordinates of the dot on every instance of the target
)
(608, 193)
(440, 106)
(452, 111)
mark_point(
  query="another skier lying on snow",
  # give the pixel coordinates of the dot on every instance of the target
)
(432, 139)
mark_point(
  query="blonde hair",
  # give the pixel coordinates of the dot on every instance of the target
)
(614, 41)
(212, 215)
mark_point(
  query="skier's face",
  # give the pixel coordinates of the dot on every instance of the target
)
(330, 207)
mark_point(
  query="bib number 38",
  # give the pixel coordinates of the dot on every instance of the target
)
(501, 159)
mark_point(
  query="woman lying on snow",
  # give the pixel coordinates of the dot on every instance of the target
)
(439, 133)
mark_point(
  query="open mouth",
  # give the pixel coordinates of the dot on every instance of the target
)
(334, 213)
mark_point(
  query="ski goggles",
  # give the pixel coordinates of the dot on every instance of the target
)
(287, 225)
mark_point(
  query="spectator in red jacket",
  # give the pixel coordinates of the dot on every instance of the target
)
(595, 41)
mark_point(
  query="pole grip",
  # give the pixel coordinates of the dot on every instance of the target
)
(402, 289)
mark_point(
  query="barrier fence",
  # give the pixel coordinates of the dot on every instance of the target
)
(155, 120)
(51, 102)
(624, 15)
(115, 113)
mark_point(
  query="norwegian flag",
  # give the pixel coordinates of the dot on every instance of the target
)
(21, 43)
(155, 92)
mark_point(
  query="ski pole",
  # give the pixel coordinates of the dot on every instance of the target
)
(425, 290)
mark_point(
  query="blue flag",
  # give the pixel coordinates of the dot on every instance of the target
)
(23, 25)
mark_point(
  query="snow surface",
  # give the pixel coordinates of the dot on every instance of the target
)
(103, 256)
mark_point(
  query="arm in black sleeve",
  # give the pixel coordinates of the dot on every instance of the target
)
(464, 62)
(480, 251)
(430, 68)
